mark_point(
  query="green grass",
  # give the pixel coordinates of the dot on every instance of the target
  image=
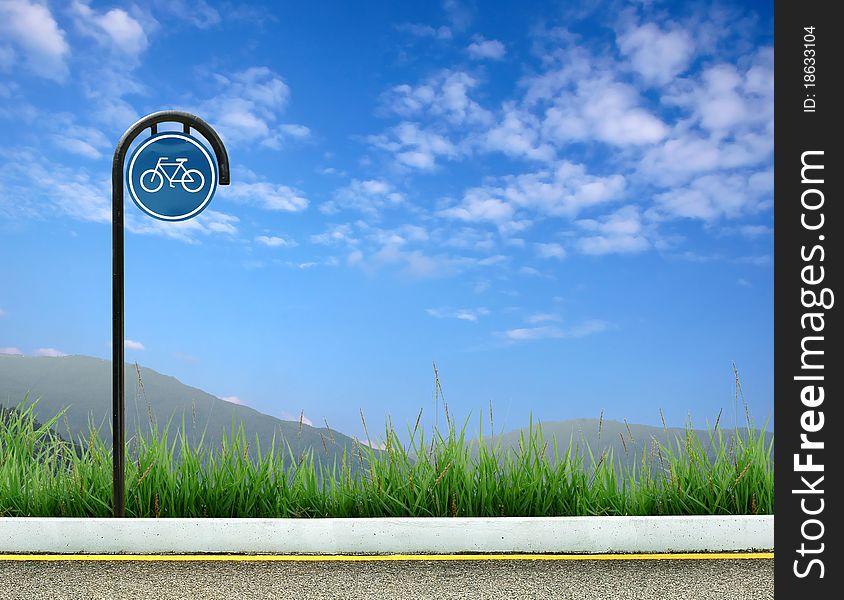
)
(443, 474)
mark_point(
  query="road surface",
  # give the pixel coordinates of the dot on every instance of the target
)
(727, 579)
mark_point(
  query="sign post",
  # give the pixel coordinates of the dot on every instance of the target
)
(172, 177)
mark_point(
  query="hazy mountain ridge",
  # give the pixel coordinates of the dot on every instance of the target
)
(626, 441)
(82, 384)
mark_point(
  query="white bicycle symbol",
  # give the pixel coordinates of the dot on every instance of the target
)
(191, 180)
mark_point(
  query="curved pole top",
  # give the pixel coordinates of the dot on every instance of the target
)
(189, 122)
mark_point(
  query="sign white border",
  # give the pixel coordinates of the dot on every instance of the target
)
(211, 188)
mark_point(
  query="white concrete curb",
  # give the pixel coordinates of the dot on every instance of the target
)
(388, 536)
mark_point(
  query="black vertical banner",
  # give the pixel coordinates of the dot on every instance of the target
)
(808, 170)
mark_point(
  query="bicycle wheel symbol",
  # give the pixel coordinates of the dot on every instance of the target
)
(191, 176)
(151, 181)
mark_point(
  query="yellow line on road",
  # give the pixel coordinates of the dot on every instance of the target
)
(377, 558)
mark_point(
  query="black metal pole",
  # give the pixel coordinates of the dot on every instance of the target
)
(118, 373)
(188, 121)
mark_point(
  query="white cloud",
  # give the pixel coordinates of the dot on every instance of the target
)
(133, 345)
(83, 141)
(679, 157)
(249, 188)
(729, 124)
(461, 314)
(605, 110)
(471, 238)
(112, 110)
(248, 107)
(48, 352)
(541, 318)
(657, 55)
(620, 232)
(76, 146)
(711, 197)
(720, 106)
(294, 130)
(371, 248)
(286, 416)
(445, 94)
(392, 248)
(413, 146)
(755, 231)
(196, 12)
(30, 26)
(550, 250)
(601, 244)
(517, 134)
(481, 49)
(260, 85)
(583, 101)
(532, 272)
(274, 241)
(725, 100)
(3, 313)
(533, 333)
(481, 286)
(689, 155)
(34, 186)
(369, 196)
(114, 28)
(587, 328)
(233, 400)
(11, 350)
(458, 13)
(371, 443)
(355, 257)
(337, 234)
(271, 196)
(563, 190)
(423, 31)
(553, 332)
(400, 234)
(209, 222)
(476, 206)
(330, 261)
(761, 260)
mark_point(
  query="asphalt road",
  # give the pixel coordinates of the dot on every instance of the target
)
(588, 579)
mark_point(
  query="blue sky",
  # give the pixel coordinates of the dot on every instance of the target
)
(567, 206)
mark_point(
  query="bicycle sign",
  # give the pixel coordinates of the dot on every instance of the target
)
(152, 180)
(171, 176)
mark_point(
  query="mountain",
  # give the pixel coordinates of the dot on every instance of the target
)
(627, 441)
(82, 384)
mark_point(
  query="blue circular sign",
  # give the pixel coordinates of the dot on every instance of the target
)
(171, 176)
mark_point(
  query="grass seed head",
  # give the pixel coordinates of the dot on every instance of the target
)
(630, 433)
(743, 472)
